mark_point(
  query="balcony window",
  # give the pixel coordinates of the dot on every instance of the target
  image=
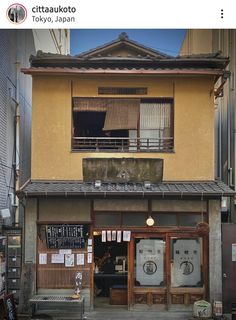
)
(123, 125)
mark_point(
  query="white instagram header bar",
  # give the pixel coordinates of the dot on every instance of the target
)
(117, 14)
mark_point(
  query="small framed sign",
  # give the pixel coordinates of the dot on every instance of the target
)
(233, 251)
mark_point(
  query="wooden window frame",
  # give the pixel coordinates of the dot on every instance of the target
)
(123, 147)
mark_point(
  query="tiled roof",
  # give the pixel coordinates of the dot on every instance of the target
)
(135, 56)
(123, 38)
(121, 70)
(79, 188)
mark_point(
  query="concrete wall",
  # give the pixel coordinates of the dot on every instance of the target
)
(215, 256)
(197, 41)
(30, 230)
(193, 158)
(52, 40)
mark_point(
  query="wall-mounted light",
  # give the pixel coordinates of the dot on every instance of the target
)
(147, 184)
(150, 221)
(97, 183)
(97, 233)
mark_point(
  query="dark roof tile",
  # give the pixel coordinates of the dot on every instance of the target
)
(79, 188)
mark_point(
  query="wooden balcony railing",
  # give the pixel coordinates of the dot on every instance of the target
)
(120, 144)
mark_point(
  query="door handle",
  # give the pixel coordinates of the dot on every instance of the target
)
(224, 275)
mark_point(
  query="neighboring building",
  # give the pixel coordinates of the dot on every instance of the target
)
(123, 137)
(15, 105)
(16, 47)
(222, 42)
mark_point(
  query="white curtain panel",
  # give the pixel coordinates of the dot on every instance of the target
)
(155, 116)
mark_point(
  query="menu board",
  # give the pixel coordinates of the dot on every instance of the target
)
(69, 236)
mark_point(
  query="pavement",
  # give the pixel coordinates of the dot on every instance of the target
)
(117, 314)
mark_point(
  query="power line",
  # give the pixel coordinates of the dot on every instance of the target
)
(4, 165)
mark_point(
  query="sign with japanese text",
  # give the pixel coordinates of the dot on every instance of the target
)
(186, 265)
(150, 262)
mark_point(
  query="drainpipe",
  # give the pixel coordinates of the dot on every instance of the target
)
(17, 132)
(230, 116)
(218, 107)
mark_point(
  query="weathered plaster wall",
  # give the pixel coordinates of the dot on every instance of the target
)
(61, 209)
(121, 205)
(192, 159)
(180, 205)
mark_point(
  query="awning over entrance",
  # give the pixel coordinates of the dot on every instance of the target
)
(34, 188)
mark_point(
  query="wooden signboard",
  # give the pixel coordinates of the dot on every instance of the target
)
(10, 307)
(122, 170)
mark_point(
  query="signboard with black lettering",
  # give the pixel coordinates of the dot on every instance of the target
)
(10, 307)
(70, 236)
(150, 262)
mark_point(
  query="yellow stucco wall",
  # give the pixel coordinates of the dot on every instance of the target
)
(193, 158)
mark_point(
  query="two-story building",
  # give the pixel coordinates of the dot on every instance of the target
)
(123, 168)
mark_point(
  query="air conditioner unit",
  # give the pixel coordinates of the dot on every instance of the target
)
(5, 213)
(6, 216)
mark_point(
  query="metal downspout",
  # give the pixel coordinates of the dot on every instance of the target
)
(17, 131)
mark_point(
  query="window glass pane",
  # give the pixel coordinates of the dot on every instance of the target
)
(132, 140)
(105, 219)
(134, 219)
(189, 220)
(149, 262)
(155, 124)
(186, 264)
(164, 219)
(151, 139)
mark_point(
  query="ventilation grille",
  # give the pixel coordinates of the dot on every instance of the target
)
(122, 91)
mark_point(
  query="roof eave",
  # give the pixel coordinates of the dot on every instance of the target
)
(75, 71)
(104, 194)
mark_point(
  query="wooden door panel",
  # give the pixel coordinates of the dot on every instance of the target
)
(159, 298)
(148, 295)
(165, 296)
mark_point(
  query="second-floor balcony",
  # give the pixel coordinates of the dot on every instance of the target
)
(122, 144)
(123, 125)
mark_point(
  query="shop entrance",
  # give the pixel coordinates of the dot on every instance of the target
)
(110, 273)
(160, 271)
(167, 271)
